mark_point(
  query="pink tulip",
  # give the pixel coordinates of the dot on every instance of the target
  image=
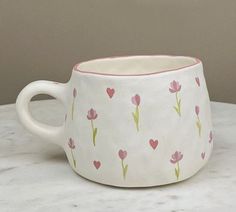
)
(136, 100)
(122, 154)
(92, 114)
(71, 143)
(210, 137)
(176, 157)
(74, 92)
(174, 86)
(197, 110)
(197, 81)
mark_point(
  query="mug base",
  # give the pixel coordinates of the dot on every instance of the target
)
(145, 185)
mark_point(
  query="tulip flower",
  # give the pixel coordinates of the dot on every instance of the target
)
(175, 158)
(136, 101)
(198, 122)
(71, 145)
(73, 103)
(203, 154)
(122, 155)
(92, 115)
(210, 137)
(197, 81)
(175, 87)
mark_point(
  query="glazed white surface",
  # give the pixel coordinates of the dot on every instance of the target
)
(158, 120)
(35, 174)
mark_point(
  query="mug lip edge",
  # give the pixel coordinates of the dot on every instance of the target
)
(76, 67)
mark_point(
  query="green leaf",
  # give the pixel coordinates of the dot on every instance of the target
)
(198, 124)
(95, 132)
(135, 117)
(125, 170)
(176, 109)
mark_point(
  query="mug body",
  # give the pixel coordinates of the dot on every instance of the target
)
(138, 121)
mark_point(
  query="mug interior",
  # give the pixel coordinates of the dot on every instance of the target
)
(136, 65)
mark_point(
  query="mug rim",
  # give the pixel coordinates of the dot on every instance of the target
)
(76, 68)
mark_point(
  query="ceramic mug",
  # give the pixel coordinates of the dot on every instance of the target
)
(134, 121)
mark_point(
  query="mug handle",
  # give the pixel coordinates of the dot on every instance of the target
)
(47, 132)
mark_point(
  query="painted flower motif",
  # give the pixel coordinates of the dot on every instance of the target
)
(71, 145)
(73, 103)
(203, 154)
(74, 92)
(92, 115)
(122, 155)
(210, 137)
(197, 110)
(175, 159)
(198, 122)
(175, 87)
(136, 101)
(197, 81)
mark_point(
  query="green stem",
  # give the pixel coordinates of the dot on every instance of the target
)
(94, 141)
(199, 126)
(178, 170)
(137, 115)
(178, 104)
(92, 125)
(123, 168)
(74, 161)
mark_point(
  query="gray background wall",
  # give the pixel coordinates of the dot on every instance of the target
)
(44, 39)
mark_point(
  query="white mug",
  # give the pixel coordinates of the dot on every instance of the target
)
(133, 121)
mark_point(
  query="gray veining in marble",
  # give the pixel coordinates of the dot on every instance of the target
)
(35, 175)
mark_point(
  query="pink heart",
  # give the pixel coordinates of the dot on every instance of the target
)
(197, 81)
(97, 164)
(122, 154)
(153, 143)
(110, 92)
(203, 155)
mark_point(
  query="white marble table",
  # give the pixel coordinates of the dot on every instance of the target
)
(35, 175)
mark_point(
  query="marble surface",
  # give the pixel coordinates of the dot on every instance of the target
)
(35, 175)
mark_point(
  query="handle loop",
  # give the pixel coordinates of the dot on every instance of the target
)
(47, 132)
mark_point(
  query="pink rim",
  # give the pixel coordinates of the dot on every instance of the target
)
(76, 67)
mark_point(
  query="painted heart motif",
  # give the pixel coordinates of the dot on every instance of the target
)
(203, 155)
(110, 92)
(153, 143)
(97, 164)
(197, 81)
